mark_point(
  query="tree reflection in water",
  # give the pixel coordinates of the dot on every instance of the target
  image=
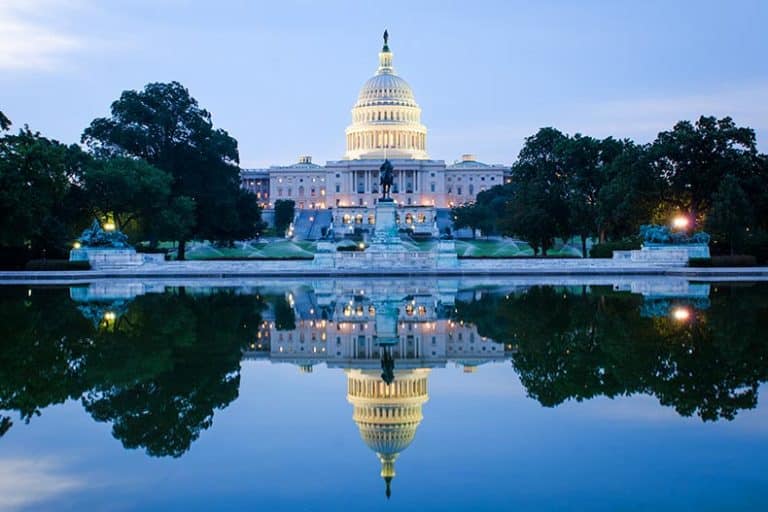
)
(159, 366)
(578, 344)
(156, 372)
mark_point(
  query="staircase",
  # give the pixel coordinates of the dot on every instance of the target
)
(323, 219)
(309, 224)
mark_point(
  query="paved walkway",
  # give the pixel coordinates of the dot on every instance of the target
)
(259, 269)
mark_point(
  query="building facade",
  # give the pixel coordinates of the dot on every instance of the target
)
(386, 124)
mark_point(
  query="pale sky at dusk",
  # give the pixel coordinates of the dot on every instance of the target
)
(281, 77)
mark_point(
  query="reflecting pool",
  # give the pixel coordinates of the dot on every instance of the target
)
(412, 394)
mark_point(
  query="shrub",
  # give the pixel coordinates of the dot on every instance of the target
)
(757, 245)
(737, 260)
(57, 265)
(605, 249)
(526, 257)
(254, 258)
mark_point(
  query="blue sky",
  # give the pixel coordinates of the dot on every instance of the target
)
(281, 77)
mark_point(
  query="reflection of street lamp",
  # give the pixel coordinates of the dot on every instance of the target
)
(681, 222)
(681, 314)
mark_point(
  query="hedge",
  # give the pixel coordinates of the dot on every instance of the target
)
(57, 265)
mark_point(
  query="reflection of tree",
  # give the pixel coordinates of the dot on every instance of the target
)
(157, 372)
(285, 317)
(581, 345)
(168, 363)
(43, 340)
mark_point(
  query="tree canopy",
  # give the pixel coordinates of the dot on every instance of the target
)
(164, 125)
(40, 201)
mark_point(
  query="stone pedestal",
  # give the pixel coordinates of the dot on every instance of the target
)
(691, 250)
(385, 229)
(446, 254)
(107, 257)
(386, 323)
(325, 256)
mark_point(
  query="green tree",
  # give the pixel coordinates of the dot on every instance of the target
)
(584, 160)
(629, 194)
(693, 159)
(538, 212)
(731, 213)
(285, 209)
(129, 191)
(165, 126)
(41, 205)
(475, 216)
(5, 123)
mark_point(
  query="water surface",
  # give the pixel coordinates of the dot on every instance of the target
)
(419, 394)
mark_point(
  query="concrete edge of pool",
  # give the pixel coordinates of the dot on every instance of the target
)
(233, 270)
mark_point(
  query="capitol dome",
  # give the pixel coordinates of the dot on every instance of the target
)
(386, 120)
(387, 414)
(385, 90)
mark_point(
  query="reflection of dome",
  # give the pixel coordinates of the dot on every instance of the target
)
(386, 120)
(387, 414)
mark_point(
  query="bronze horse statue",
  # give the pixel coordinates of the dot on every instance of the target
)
(386, 180)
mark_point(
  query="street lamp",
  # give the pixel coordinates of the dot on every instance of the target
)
(681, 314)
(681, 222)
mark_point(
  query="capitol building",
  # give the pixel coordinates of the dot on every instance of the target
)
(386, 124)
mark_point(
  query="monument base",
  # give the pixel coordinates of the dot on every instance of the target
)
(106, 257)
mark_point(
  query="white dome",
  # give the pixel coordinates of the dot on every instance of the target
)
(386, 89)
(386, 120)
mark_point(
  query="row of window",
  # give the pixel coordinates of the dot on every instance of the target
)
(386, 115)
(386, 139)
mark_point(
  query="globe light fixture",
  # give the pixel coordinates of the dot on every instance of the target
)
(681, 314)
(681, 222)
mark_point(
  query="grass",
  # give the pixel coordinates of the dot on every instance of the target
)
(276, 249)
(259, 250)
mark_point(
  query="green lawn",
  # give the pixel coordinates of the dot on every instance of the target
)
(290, 249)
(276, 249)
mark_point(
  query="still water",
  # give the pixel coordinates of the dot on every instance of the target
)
(384, 395)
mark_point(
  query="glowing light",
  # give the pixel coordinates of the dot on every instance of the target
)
(681, 314)
(76, 245)
(109, 226)
(361, 246)
(110, 316)
(681, 222)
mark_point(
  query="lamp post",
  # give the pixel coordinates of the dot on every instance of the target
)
(681, 222)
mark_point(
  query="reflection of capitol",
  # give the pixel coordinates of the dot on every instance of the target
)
(386, 335)
(387, 414)
(386, 338)
(345, 326)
